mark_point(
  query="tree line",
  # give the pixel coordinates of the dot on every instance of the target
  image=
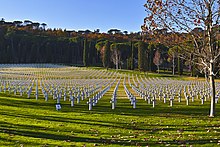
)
(32, 42)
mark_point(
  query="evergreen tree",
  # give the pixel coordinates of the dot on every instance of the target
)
(132, 56)
(85, 53)
(141, 56)
(151, 48)
(106, 55)
(180, 66)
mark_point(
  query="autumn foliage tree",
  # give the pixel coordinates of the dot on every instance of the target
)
(183, 16)
(173, 53)
(157, 60)
(100, 46)
(116, 53)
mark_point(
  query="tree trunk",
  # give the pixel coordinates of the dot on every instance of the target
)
(211, 64)
(180, 68)
(12, 44)
(13, 51)
(173, 66)
(116, 60)
(206, 77)
(158, 68)
(212, 86)
(191, 65)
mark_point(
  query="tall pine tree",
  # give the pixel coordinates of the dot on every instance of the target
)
(141, 56)
(132, 55)
(151, 47)
(106, 55)
(85, 53)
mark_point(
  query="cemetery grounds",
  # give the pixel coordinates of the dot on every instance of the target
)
(103, 108)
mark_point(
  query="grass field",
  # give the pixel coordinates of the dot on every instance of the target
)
(29, 122)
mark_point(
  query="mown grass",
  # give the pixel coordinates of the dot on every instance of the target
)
(30, 122)
(163, 73)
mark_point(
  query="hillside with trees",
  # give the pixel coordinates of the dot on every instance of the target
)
(33, 42)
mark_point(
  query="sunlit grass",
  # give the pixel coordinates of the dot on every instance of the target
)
(27, 122)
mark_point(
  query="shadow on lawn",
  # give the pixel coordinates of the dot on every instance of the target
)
(123, 107)
(35, 132)
(27, 131)
(11, 142)
(92, 122)
(25, 102)
(76, 121)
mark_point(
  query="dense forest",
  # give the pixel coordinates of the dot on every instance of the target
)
(32, 42)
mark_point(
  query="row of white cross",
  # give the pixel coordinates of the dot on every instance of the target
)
(152, 89)
(130, 96)
(114, 95)
(74, 89)
(94, 85)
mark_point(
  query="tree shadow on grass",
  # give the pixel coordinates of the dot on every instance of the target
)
(75, 121)
(110, 123)
(28, 131)
(145, 110)
(104, 141)
(103, 107)
(26, 103)
(123, 107)
(6, 142)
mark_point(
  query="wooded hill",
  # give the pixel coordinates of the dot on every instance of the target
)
(32, 42)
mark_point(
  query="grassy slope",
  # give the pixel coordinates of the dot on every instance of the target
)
(27, 122)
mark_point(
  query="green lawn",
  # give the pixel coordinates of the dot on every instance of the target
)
(27, 122)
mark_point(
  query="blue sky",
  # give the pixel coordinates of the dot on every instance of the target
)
(77, 14)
